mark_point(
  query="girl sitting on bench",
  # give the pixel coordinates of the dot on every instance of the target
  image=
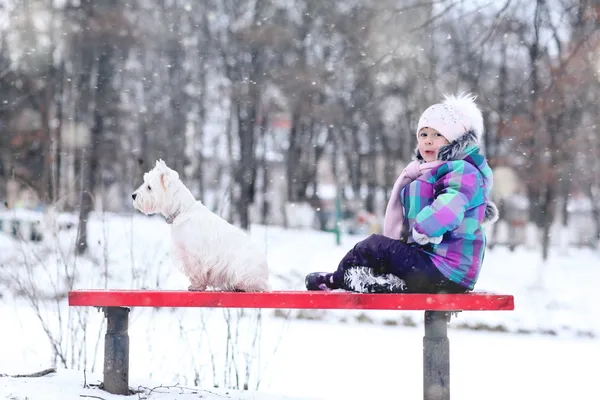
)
(432, 241)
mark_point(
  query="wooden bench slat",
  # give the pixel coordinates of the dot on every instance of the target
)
(474, 301)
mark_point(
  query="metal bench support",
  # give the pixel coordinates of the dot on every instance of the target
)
(116, 351)
(437, 308)
(436, 356)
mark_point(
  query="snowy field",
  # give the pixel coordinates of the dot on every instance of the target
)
(546, 348)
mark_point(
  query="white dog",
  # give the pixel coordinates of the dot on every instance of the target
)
(212, 252)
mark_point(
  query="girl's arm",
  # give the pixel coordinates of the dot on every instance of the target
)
(458, 183)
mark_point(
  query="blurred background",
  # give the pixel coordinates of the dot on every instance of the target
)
(296, 113)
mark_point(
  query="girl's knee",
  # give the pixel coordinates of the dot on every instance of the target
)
(377, 244)
(371, 241)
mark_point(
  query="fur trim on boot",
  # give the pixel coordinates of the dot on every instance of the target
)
(364, 280)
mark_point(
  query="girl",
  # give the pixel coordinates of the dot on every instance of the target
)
(432, 239)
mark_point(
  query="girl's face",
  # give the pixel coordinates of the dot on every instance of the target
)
(429, 143)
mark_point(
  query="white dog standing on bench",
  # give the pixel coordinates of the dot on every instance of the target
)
(212, 252)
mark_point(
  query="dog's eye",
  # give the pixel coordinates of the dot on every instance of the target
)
(149, 188)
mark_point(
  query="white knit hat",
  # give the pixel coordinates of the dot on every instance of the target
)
(454, 117)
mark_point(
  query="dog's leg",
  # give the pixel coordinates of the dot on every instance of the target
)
(197, 288)
(249, 287)
(252, 284)
(197, 285)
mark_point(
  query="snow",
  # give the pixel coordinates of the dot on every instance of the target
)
(543, 349)
(483, 365)
(74, 385)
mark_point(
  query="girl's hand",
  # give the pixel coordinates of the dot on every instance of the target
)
(423, 239)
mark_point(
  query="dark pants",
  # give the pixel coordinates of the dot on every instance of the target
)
(407, 262)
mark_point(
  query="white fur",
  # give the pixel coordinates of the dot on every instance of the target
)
(359, 279)
(211, 252)
(465, 104)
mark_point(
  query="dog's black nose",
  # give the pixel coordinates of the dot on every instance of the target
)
(133, 196)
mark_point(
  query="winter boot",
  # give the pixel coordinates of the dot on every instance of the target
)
(318, 281)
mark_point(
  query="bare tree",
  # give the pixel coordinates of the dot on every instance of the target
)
(99, 48)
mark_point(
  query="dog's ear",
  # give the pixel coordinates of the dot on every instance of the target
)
(167, 178)
(161, 165)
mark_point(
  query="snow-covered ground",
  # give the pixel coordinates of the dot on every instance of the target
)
(317, 360)
(544, 349)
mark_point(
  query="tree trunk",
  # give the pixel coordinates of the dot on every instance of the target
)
(547, 205)
(294, 154)
(372, 168)
(105, 72)
(246, 171)
(179, 105)
(264, 168)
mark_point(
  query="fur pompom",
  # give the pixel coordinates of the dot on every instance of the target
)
(464, 103)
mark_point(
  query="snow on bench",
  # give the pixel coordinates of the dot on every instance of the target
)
(437, 307)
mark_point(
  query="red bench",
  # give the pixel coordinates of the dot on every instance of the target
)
(438, 308)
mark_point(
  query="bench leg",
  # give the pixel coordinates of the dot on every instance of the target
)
(116, 351)
(436, 356)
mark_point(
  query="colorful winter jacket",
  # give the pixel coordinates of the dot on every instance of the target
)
(452, 200)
